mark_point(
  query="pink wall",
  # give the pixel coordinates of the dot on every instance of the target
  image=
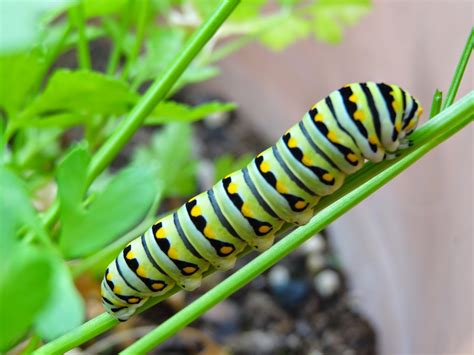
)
(408, 248)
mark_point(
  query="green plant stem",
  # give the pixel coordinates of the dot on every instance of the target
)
(358, 187)
(459, 72)
(436, 103)
(156, 93)
(118, 42)
(139, 35)
(447, 124)
(76, 15)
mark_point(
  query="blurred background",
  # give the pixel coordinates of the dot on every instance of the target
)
(408, 249)
(392, 276)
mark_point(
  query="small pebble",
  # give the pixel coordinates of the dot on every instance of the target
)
(315, 262)
(217, 120)
(327, 282)
(315, 245)
(278, 276)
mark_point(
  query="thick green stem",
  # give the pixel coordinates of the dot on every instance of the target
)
(76, 14)
(458, 74)
(445, 125)
(358, 187)
(151, 98)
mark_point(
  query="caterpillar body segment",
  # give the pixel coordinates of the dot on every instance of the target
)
(359, 122)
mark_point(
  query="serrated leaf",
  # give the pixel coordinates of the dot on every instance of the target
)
(85, 92)
(162, 46)
(330, 17)
(64, 309)
(13, 193)
(121, 205)
(24, 290)
(169, 111)
(170, 155)
(286, 31)
(18, 73)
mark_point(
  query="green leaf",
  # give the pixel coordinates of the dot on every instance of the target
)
(161, 47)
(64, 310)
(286, 31)
(85, 92)
(94, 8)
(330, 17)
(168, 111)
(170, 155)
(16, 210)
(247, 9)
(24, 289)
(18, 73)
(120, 206)
(227, 164)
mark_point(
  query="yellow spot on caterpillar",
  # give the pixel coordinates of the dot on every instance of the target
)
(172, 253)
(157, 286)
(130, 255)
(395, 105)
(292, 143)
(226, 250)
(208, 232)
(420, 111)
(265, 167)
(300, 205)
(196, 211)
(411, 124)
(328, 177)
(332, 136)
(246, 210)
(116, 289)
(306, 161)
(318, 118)
(398, 125)
(109, 276)
(160, 233)
(352, 157)
(141, 271)
(133, 300)
(353, 98)
(189, 269)
(232, 188)
(359, 115)
(373, 139)
(280, 187)
(264, 229)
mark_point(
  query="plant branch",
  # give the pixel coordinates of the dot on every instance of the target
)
(445, 125)
(358, 187)
(459, 72)
(76, 15)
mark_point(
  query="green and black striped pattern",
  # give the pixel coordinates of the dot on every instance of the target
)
(359, 122)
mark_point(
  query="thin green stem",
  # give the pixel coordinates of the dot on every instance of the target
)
(458, 118)
(118, 42)
(358, 187)
(139, 35)
(459, 72)
(156, 93)
(436, 103)
(76, 14)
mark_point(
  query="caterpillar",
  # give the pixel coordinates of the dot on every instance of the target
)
(357, 123)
